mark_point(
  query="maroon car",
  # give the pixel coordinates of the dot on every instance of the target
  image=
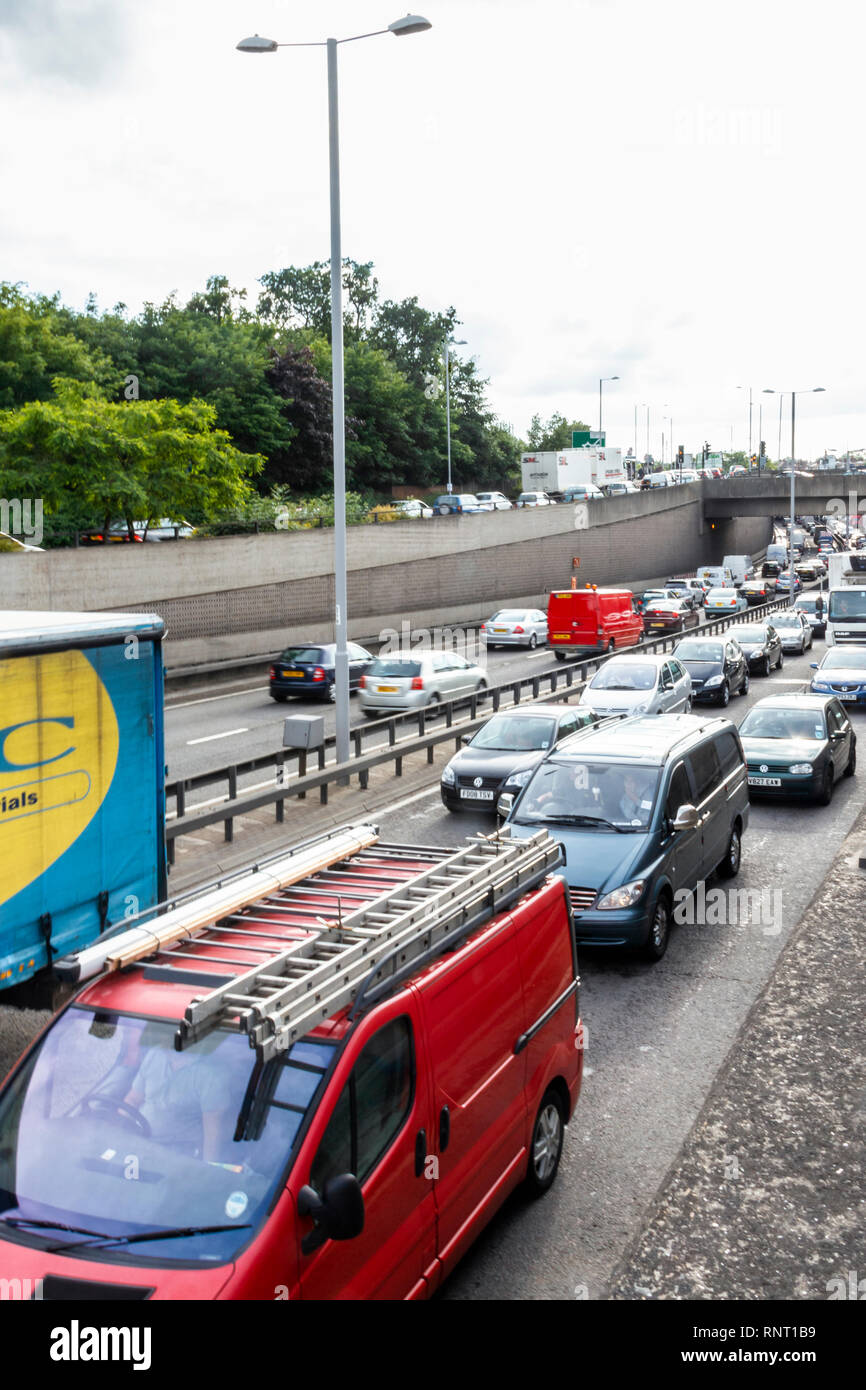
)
(670, 615)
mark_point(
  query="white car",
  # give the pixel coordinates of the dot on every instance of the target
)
(516, 627)
(534, 499)
(497, 500)
(413, 507)
(640, 685)
(725, 601)
(18, 545)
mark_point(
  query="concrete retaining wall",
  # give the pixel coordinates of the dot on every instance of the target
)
(246, 596)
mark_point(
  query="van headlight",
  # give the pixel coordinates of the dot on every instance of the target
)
(448, 778)
(801, 769)
(626, 896)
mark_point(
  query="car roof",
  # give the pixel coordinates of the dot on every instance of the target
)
(793, 701)
(648, 738)
(622, 659)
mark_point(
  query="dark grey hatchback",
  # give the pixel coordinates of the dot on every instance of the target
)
(309, 670)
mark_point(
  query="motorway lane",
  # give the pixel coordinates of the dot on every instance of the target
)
(657, 1036)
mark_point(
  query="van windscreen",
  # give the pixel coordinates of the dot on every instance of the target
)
(108, 1128)
(600, 796)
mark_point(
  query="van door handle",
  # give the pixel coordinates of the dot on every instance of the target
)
(420, 1152)
(444, 1128)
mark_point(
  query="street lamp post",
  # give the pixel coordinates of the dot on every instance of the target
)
(449, 342)
(749, 389)
(769, 391)
(409, 24)
(600, 380)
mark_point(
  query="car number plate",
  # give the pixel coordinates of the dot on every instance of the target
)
(848, 699)
(657, 624)
(500, 629)
(291, 673)
(469, 795)
(765, 781)
(387, 689)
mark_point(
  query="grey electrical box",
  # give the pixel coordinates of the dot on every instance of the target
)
(304, 731)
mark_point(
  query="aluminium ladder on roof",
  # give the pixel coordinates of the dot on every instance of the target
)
(366, 951)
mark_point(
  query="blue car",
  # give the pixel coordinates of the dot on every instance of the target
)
(310, 669)
(841, 672)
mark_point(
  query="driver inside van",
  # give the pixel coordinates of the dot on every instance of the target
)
(184, 1096)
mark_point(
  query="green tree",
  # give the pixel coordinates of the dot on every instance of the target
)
(34, 347)
(555, 434)
(89, 457)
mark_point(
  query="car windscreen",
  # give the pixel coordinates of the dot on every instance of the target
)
(108, 1128)
(783, 723)
(303, 655)
(516, 733)
(786, 620)
(383, 666)
(850, 603)
(590, 795)
(622, 677)
(751, 633)
(839, 658)
(699, 651)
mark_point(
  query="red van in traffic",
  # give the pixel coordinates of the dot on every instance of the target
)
(592, 620)
(315, 1080)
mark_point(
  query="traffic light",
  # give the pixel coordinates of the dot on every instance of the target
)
(681, 455)
(763, 450)
(753, 459)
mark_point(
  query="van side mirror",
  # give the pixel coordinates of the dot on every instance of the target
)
(688, 818)
(504, 804)
(338, 1214)
(814, 665)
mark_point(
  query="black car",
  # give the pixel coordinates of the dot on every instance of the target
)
(504, 752)
(762, 647)
(814, 607)
(798, 745)
(717, 666)
(308, 669)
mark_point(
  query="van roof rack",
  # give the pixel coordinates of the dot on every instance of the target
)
(347, 957)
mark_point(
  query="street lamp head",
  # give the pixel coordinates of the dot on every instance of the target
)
(613, 378)
(819, 388)
(410, 24)
(257, 45)
(768, 391)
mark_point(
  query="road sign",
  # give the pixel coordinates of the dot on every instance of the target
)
(585, 439)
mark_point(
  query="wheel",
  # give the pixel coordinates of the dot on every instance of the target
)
(533, 642)
(432, 706)
(725, 696)
(730, 865)
(443, 510)
(851, 765)
(455, 810)
(481, 690)
(780, 663)
(331, 696)
(279, 697)
(118, 1107)
(545, 1150)
(765, 669)
(659, 933)
(610, 646)
(744, 688)
(560, 656)
(825, 796)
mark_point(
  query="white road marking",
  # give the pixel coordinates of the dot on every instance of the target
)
(207, 699)
(210, 737)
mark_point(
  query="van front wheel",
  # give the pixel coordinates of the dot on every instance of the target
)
(660, 930)
(548, 1134)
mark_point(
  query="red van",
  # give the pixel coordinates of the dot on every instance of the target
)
(592, 620)
(316, 1080)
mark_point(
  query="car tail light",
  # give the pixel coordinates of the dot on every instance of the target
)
(417, 683)
(519, 628)
(362, 683)
(272, 673)
(318, 674)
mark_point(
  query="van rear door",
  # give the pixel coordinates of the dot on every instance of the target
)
(375, 1121)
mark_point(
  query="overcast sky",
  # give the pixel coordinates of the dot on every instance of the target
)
(671, 193)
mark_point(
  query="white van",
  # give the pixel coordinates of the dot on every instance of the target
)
(740, 566)
(717, 576)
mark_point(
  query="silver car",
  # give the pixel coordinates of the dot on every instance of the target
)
(418, 680)
(534, 499)
(516, 627)
(794, 629)
(640, 685)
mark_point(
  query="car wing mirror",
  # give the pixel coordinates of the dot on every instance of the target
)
(505, 804)
(338, 1214)
(466, 738)
(687, 818)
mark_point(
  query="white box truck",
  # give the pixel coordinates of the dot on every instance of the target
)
(554, 470)
(846, 600)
